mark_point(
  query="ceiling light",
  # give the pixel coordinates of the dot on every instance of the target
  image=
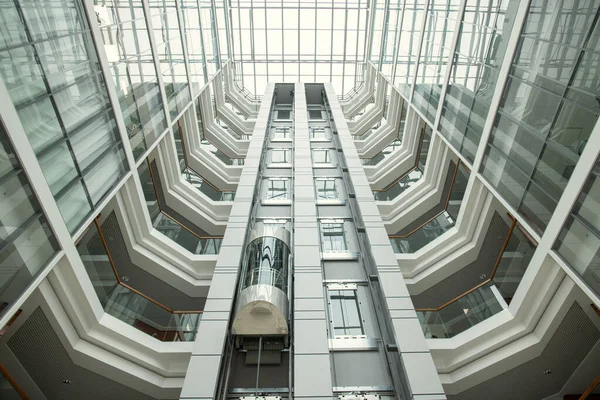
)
(125, 278)
(66, 381)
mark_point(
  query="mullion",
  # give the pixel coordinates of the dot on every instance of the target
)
(52, 100)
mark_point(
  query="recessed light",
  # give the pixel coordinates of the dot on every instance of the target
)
(482, 276)
(547, 372)
(66, 381)
(125, 278)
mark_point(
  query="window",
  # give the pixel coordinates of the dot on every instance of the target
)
(284, 114)
(282, 132)
(314, 114)
(345, 312)
(326, 189)
(280, 156)
(321, 156)
(332, 237)
(318, 133)
(277, 189)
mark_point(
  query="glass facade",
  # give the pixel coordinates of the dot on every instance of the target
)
(128, 50)
(579, 241)
(480, 50)
(433, 59)
(406, 62)
(49, 66)
(27, 243)
(549, 107)
(169, 48)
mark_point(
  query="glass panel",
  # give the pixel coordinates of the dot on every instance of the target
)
(266, 263)
(277, 189)
(345, 313)
(321, 156)
(513, 264)
(579, 240)
(480, 51)
(548, 108)
(54, 80)
(280, 156)
(326, 189)
(461, 314)
(333, 237)
(27, 243)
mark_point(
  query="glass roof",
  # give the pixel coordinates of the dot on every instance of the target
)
(308, 41)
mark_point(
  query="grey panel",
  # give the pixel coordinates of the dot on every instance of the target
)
(39, 350)
(243, 375)
(572, 341)
(344, 270)
(349, 368)
(160, 196)
(435, 210)
(141, 280)
(469, 276)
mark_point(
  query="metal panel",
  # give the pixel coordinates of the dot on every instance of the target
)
(39, 350)
(572, 341)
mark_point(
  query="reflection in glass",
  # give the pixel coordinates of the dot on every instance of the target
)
(266, 263)
(50, 69)
(579, 241)
(27, 243)
(545, 118)
(480, 51)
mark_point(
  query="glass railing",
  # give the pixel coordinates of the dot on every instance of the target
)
(168, 225)
(127, 304)
(441, 223)
(461, 314)
(490, 297)
(184, 237)
(392, 148)
(398, 187)
(203, 186)
(424, 235)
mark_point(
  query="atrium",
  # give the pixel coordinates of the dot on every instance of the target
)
(308, 199)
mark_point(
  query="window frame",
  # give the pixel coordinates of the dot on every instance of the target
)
(328, 158)
(286, 158)
(326, 190)
(333, 224)
(351, 290)
(272, 189)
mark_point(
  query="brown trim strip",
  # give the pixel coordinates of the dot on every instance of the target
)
(13, 383)
(590, 389)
